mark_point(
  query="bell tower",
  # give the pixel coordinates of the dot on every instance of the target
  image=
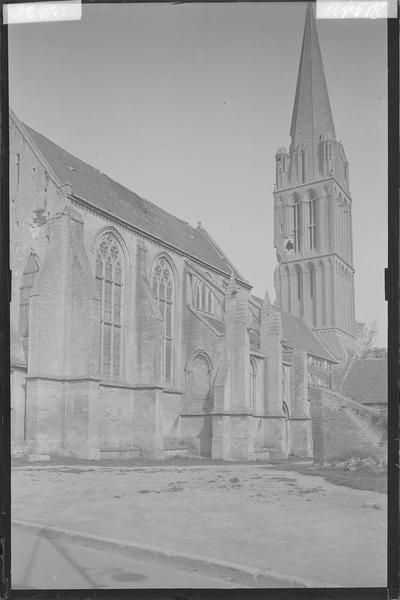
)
(314, 278)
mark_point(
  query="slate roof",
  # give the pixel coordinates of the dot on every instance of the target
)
(218, 325)
(106, 194)
(297, 334)
(366, 381)
(331, 340)
(300, 336)
(257, 300)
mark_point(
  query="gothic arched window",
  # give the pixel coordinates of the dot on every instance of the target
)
(303, 166)
(299, 288)
(253, 386)
(163, 286)
(338, 223)
(296, 224)
(204, 299)
(286, 300)
(28, 277)
(110, 281)
(324, 274)
(346, 232)
(313, 289)
(312, 237)
(344, 228)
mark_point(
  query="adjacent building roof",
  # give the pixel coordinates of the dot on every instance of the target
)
(257, 300)
(108, 195)
(218, 325)
(297, 333)
(366, 381)
(330, 339)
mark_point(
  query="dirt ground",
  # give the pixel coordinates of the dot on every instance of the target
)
(374, 480)
(267, 517)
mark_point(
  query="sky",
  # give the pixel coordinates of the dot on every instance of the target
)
(186, 105)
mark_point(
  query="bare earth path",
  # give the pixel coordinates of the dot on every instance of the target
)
(298, 525)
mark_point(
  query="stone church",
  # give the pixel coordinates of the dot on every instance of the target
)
(132, 333)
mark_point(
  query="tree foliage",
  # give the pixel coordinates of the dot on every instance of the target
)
(366, 334)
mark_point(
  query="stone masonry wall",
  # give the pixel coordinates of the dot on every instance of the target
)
(343, 429)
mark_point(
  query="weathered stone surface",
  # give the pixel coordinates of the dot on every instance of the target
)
(132, 331)
(344, 429)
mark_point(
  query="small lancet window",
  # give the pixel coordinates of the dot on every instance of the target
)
(204, 299)
(303, 166)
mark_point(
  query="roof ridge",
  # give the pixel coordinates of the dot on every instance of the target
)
(220, 251)
(313, 334)
(23, 129)
(114, 181)
(99, 190)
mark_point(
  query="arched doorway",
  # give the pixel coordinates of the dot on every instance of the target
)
(200, 399)
(29, 275)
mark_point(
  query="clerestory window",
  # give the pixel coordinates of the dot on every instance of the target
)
(204, 299)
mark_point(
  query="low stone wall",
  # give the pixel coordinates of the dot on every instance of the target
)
(343, 428)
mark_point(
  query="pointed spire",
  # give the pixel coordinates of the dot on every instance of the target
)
(312, 115)
(267, 300)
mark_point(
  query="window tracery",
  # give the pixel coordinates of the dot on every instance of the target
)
(312, 224)
(296, 225)
(28, 278)
(204, 298)
(163, 286)
(109, 280)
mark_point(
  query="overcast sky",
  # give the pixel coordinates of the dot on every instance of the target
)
(187, 104)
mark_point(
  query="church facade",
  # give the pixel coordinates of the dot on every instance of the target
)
(132, 333)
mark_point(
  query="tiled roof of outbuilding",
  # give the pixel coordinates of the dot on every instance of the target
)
(366, 381)
(108, 195)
